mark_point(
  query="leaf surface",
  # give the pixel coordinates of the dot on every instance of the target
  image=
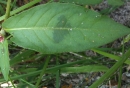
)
(4, 59)
(62, 27)
(89, 68)
(115, 2)
(83, 2)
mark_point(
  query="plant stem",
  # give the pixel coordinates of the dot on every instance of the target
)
(111, 70)
(7, 9)
(120, 69)
(57, 74)
(43, 71)
(21, 8)
(11, 82)
(26, 82)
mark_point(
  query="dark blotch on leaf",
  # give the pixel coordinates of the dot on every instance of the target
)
(60, 30)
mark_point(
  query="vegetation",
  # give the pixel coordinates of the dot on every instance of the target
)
(43, 38)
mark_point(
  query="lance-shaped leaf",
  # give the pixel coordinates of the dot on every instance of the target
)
(4, 57)
(62, 27)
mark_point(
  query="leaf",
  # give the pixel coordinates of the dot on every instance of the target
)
(89, 68)
(126, 39)
(22, 56)
(83, 2)
(4, 58)
(111, 56)
(115, 2)
(62, 27)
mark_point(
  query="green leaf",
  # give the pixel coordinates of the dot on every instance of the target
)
(24, 55)
(115, 2)
(80, 69)
(62, 27)
(83, 2)
(4, 58)
(111, 56)
(89, 68)
(126, 39)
